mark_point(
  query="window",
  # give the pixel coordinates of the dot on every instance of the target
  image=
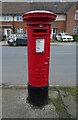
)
(54, 31)
(76, 15)
(19, 18)
(75, 30)
(6, 18)
(19, 30)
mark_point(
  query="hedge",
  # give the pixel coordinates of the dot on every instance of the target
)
(75, 36)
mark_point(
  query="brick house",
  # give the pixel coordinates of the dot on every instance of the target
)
(67, 16)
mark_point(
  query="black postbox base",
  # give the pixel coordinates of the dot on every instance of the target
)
(38, 96)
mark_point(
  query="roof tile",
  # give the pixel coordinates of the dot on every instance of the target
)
(23, 7)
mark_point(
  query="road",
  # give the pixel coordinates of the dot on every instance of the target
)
(62, 65)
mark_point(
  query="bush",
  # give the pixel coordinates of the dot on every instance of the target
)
(75, 36)
(52, 40)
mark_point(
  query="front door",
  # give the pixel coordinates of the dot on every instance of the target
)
(7, 32)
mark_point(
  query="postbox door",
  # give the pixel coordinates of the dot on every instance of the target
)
(39, 64)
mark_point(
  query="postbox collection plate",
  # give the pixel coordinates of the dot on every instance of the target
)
(40, 45)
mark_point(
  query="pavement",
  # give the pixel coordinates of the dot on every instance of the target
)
(62, 103)
(4, 43)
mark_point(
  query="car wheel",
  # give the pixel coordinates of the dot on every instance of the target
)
(14, 44)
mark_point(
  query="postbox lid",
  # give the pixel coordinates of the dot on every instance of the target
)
(39, 14)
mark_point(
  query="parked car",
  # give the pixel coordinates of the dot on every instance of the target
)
(64, 37)
(17, 39)
(2, 37)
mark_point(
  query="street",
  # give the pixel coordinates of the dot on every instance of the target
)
(62, 65)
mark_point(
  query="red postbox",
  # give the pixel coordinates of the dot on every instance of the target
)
(39, 28)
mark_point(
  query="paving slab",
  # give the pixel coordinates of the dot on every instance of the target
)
(15, 104)
(3, 43)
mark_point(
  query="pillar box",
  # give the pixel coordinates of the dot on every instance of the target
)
(38, 28)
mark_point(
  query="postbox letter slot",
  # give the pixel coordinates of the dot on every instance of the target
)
(39, 31)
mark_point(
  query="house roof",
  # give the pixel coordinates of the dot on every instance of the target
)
(23, 7)
(15, 7)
